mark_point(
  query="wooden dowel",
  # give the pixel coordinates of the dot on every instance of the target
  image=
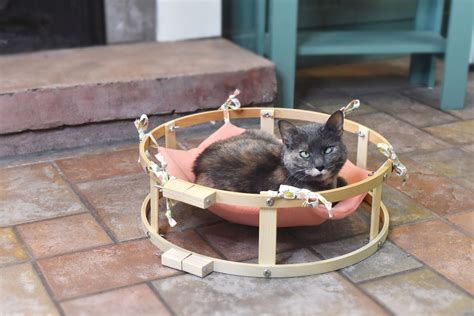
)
(154, 206)
(267, 121)
(170, 135)
(267, 236)
(375, 213)
(362, 147)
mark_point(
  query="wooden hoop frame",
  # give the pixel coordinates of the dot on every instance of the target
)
(203, 197)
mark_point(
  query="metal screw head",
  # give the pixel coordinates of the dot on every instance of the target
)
(173, 128)
(267, 273)
(269, 202)
(266, 114)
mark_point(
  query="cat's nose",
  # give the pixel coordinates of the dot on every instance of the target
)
(320, 168)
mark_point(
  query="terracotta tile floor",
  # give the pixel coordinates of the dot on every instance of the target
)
(71, 242)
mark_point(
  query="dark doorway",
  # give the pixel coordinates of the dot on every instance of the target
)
(30, 25)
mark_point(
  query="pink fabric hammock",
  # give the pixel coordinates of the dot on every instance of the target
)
(180, 165)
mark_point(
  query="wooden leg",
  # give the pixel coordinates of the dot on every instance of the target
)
(154, 206)
(267, 236)
(375, 214)
(267, 121)
(362, 147)
(170, 135)
(428, 18)
(283, 16)
(423, 70)
(260, 26)
(456, 59)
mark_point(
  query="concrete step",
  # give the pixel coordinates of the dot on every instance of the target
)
(48, 90)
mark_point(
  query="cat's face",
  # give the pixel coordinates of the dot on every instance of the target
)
(314, 152)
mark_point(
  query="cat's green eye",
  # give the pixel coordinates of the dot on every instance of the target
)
(304, 154)
(328, 150)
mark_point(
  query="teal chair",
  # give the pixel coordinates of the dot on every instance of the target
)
(423, 43)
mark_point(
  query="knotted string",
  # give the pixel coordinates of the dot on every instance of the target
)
(311, 199)
(141, 125)
(158, 169)
(400, 169)
(351, 106)
(231, 103)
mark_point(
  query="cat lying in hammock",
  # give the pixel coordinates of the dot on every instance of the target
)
(310, 157)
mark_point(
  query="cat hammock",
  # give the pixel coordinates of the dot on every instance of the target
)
(171, 177)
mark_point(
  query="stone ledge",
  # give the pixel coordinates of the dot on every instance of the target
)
(77, 86)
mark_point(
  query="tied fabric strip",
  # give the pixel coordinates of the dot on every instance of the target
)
(400, 169)
(311, 199)
(158, 169)
(161, 173)
(351, 106)
(231, 103)
(141, 125)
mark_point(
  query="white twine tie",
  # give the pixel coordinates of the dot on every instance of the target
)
(231, 103)
(351, 106)
(311, 199)
(398, 166)
(141, 125)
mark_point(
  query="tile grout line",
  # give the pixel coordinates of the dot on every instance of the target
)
(77, 250)
(108, 289)
(34, 264)
(46, 286)
(86, 295)
(106, 178)
(369, 296)
(455, 119)
(93, 248)
(61, 154)
(422, 129)
(45, 219)
(160, 298)
(203, 236)
(436, 217)
(86, 203)
(425, 266)
(429, 267)
(412, 152)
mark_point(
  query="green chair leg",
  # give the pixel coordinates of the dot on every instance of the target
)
(456, 58)
(283, 16)
(260, 26)
(428, 18)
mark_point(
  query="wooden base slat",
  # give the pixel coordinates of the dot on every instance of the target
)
(174, 257)
(267, 236)
(198, 265)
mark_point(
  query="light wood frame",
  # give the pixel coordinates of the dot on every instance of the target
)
(203, 197)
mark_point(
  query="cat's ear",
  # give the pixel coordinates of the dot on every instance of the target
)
(335, 123)
(287, 131)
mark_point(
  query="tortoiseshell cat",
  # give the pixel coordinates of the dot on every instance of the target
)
(310, 157)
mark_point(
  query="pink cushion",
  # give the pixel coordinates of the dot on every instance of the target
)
(180, 164)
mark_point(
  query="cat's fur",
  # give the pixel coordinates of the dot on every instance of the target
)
(256, 161)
